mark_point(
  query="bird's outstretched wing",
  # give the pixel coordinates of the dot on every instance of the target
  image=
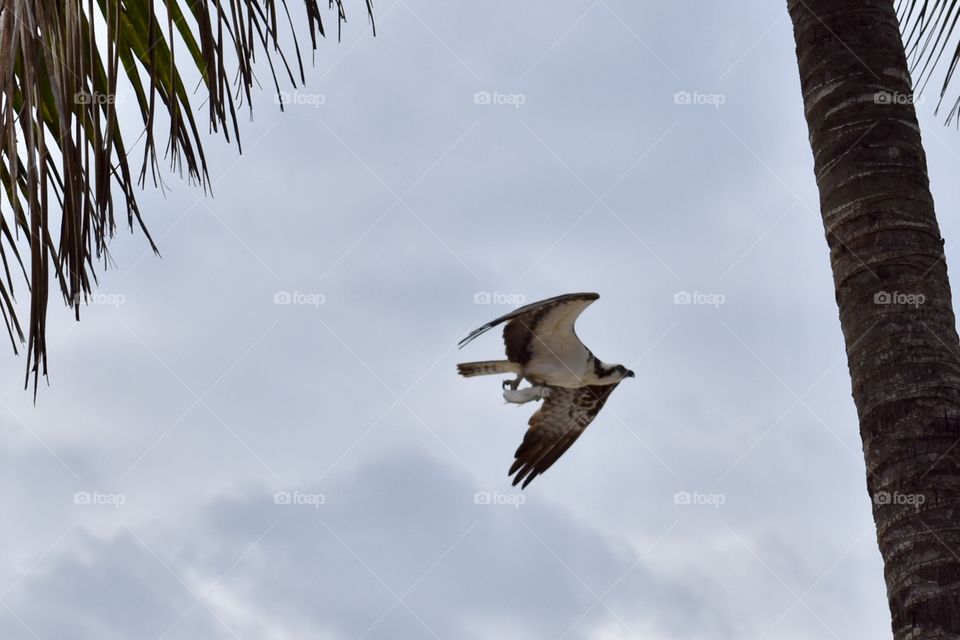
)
(546, 318)
(564, 415)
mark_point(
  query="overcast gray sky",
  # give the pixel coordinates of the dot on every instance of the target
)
(469, 156)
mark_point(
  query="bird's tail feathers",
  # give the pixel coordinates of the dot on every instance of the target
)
(487, 368)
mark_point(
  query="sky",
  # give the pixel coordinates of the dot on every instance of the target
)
(261, 434)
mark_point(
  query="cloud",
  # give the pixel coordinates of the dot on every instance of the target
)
(401, 548)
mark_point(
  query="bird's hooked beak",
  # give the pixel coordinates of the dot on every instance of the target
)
(629, 374)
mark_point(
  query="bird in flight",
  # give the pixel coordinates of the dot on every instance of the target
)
(543, 349)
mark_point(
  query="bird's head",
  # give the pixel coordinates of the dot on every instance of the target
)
(621, 372)
(610, 373)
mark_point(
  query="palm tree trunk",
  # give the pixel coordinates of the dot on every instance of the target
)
(893, 293)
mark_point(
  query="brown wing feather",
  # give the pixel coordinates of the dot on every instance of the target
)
(518, 335)
(520, 322)
(519, 311)
(565, 414)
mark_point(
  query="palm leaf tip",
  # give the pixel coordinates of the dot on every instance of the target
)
(63, 68)
(929, 32)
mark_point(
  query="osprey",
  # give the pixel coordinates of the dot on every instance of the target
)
(543, 348)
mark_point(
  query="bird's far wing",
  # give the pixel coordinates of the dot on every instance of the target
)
(564, 415)
(553, 312)
(549, 327)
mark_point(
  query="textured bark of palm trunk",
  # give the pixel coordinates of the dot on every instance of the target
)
(894, 298)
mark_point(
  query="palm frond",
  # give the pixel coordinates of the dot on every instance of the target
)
(929, 30)
(64, 166)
